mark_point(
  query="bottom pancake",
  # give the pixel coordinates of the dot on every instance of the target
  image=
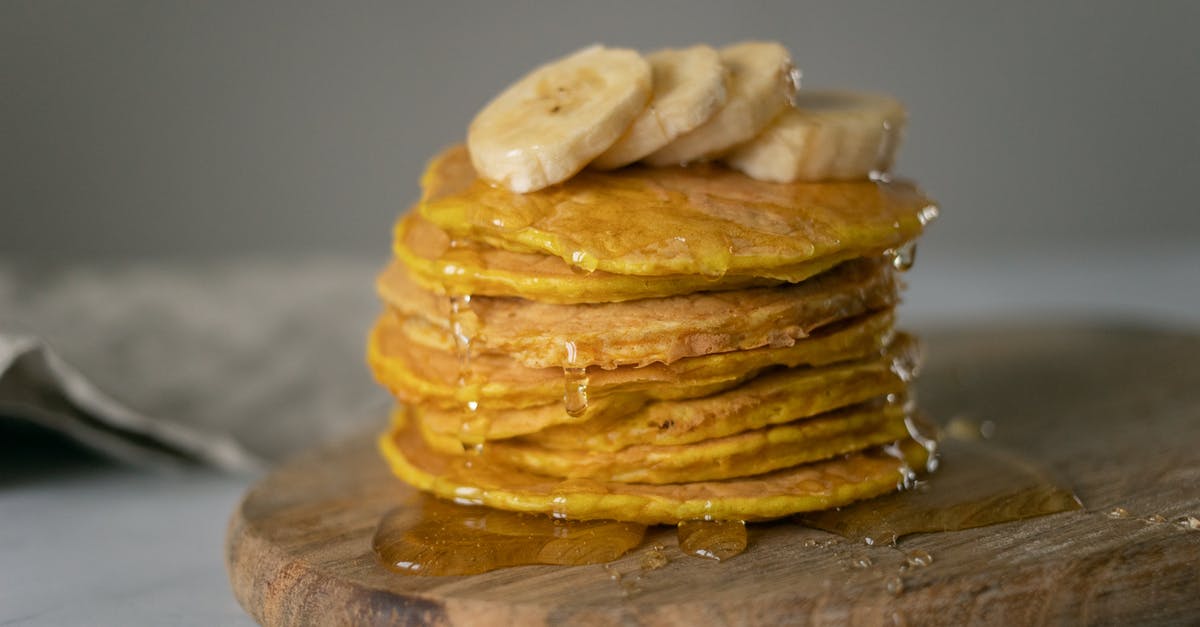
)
(808, 487)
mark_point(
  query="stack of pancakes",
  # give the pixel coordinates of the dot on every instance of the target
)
(651, 344)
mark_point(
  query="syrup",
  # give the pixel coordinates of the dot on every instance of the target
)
(427, 536)
(575, 391)
(460, 306)
(904, 257)
(715, 540)
(980, 485)
(472, 431)
(575, 383)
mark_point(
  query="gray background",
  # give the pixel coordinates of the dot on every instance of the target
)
(187, 128)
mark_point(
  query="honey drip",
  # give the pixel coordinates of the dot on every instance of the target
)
(459, 307)
(473, 429)
(715, 540)
(908, 476)
(575, 391)
(918, 431)
(980, 485)
(904, 257)
(575, 383)
(428, 536)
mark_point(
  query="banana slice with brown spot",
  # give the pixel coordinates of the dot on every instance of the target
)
(552, 122)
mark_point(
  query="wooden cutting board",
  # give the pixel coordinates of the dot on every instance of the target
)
(1114, 410)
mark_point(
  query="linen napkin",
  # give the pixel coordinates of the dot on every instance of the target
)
(232, 362)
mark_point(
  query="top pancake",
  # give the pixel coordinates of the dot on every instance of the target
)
(446, 265)
(700, 220)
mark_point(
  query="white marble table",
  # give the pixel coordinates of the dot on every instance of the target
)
(85, 541)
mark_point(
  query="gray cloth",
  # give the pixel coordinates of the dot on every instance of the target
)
(234, 363)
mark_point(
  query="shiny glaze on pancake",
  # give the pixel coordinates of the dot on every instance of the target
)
(702, 220)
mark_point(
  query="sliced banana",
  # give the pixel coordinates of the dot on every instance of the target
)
(689, 87)
(762, 82)
(827, 135)
(548, 125)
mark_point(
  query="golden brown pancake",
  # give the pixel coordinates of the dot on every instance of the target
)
(420, 374)
(777, 396)
(806, 487)
(699, 220)
(465, 266)
(742, 454)
(627, 419)
(540, 335)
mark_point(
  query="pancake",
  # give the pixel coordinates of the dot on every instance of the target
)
(742, 454)
(463, 266)
(804, 488)
(540, 335)
(420, 374)
(621, 420)
(700, 220)
(777, 396)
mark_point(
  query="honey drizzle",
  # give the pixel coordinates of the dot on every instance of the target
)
(908, 476)
(473, 427)
(575, 383)
(459, 306)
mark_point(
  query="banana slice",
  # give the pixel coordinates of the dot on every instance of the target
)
(548, 125)
(828, 135)
(689, 87)
(762, 83)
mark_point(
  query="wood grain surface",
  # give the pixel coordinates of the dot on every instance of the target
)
(1113, 410)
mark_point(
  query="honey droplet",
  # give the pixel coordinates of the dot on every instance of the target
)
(862, 562)
(1118, 512)
(904, 257)
(715, 540)
(894, 585)
(923, 434)
(1156, 519)
(654, 558)
(918, 558)
(575, 390)
(473, 428)
(908, 476)
(462, 331)
(1191, 523)
(428, 536)
(927, 214)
